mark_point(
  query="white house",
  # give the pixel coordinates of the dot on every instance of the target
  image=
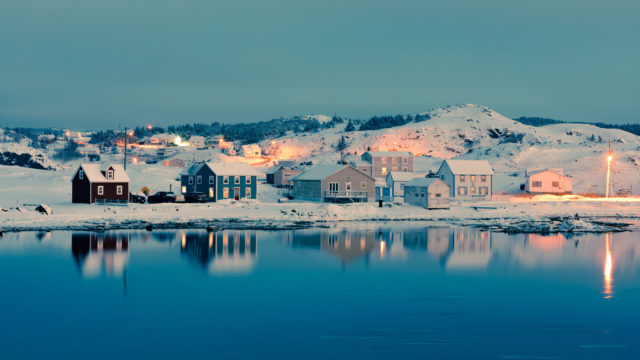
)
(430, 193)
(251, 151)
(396, 180)
(467, 179)
(548, 182)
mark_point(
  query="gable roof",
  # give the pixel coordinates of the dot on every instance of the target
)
(553, 171)
(389, 153)
(232, 169)
(469, 167)
(192, 169)
(422, 182)
(401, 175)
(321, 171)
(251, 147)
(93, 172)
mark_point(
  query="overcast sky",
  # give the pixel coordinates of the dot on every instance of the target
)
(97, 64)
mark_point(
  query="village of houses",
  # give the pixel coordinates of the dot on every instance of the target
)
(242, 185)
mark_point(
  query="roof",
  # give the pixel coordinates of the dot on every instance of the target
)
(319, 172)
(389, 153)
(251, 147)
(93, 172)
(469, 167)
(231, 169)
(401, 175)
(421, 182)
(193, 169)
(555, 171)
(273, 169)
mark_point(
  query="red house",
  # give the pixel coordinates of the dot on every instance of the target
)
(90, 184)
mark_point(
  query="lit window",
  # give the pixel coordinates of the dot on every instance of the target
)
(462, 178)
(483, 178)
(225, 193)
(473, 178)
(119, 189)
(81, 175)
(100, 190)
(473, 191)
(462, 190)
(384, 171)
(184, 189)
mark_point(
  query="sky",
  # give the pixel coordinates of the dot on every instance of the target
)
(95, 64)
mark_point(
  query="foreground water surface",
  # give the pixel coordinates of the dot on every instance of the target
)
(383, 291)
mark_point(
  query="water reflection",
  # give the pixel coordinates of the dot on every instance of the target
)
(100, 253)
(608, 267)
(221, 252)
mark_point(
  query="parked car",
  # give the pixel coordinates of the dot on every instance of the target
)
(195, 198)
(139, 199)
(162, 197)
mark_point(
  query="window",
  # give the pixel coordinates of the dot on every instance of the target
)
(473, 190)
(363, 185)
(483, 178)
(555, 184)
(483, 190)
(225, 193)
(441, 177)
(225, 180)
(199, 180)
(100, 190)
(81, 175)
(421, 195)
(348, 185)
(119, 189)
(333, 186)
(247, 179)
(438, 195)
(184, 189)
(210, 193)
(462, 190)
(384, 171)
(247, 192)
(210, 180)
(536, 184)
(393, 160)
(405, 160)
(461, 178)
(236, 179)
(109, 174)
(401, 186)
(473, 178)
(384, 160)
(405, 169)
(190, 180)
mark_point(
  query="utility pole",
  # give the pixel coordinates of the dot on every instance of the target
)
(126, 137)
(609, 158)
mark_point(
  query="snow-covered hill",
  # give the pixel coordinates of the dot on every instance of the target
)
(478, 132)
(16, 150)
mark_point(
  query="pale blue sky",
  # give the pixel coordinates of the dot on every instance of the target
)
(94, 64)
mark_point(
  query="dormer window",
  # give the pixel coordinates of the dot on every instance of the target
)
(110, 174)
(81, 175)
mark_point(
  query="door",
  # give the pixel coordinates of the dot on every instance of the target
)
(347, 188)
(236, 193)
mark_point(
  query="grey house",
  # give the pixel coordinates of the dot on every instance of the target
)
(467, 179)
(333, 183)
(383, 162)
(430, 193)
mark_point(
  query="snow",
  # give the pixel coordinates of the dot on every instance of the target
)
(94, 173)
(469, 167)
(319, 172)
(421, 182)
(231, 169)
(401, 175)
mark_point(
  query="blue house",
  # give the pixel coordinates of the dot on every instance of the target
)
(220, 181)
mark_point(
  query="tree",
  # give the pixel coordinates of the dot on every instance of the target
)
(349, 127)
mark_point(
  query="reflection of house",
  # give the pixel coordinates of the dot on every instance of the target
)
(467, 179)
(333, 183)
(546, 243)
(548, 182)
(251, 151)
(222, 251)
(91, 185)
(97, 253)
(347, 245)
(430, 193)
(471, 248)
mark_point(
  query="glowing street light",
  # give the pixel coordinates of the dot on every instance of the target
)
(149, 127)
(609, 158)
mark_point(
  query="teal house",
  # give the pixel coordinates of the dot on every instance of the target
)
(219, 181)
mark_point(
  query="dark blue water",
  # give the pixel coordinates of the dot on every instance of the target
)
(386, 291)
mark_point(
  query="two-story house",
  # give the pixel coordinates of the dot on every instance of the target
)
(220, 181)
(467, 179)
(383, 162)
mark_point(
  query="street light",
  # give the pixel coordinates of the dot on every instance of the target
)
(609, 158)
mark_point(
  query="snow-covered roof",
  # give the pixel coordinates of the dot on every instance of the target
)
(389, 153)
(555, 171)
(470, 167)
(421, 182)
(401, 175)
(193, 169)
(273, 169)
(319, 172)
(232, 169)
(251, 147)
(93, 172)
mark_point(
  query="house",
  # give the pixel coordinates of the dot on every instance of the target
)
(197, 141)
(548, 182)
(467, 179)
(90, 184)
(283, 176)
(271, 174)
(251, 151)
(220, 181)
(288, 162)
(396, 181)
(430, 193)
(333, 183)
(383, 162)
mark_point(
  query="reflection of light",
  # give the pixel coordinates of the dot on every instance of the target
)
(383, 245)
(184, 240)
(608, 267)
(210, 239)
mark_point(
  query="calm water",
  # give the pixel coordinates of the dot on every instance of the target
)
(384, 291)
